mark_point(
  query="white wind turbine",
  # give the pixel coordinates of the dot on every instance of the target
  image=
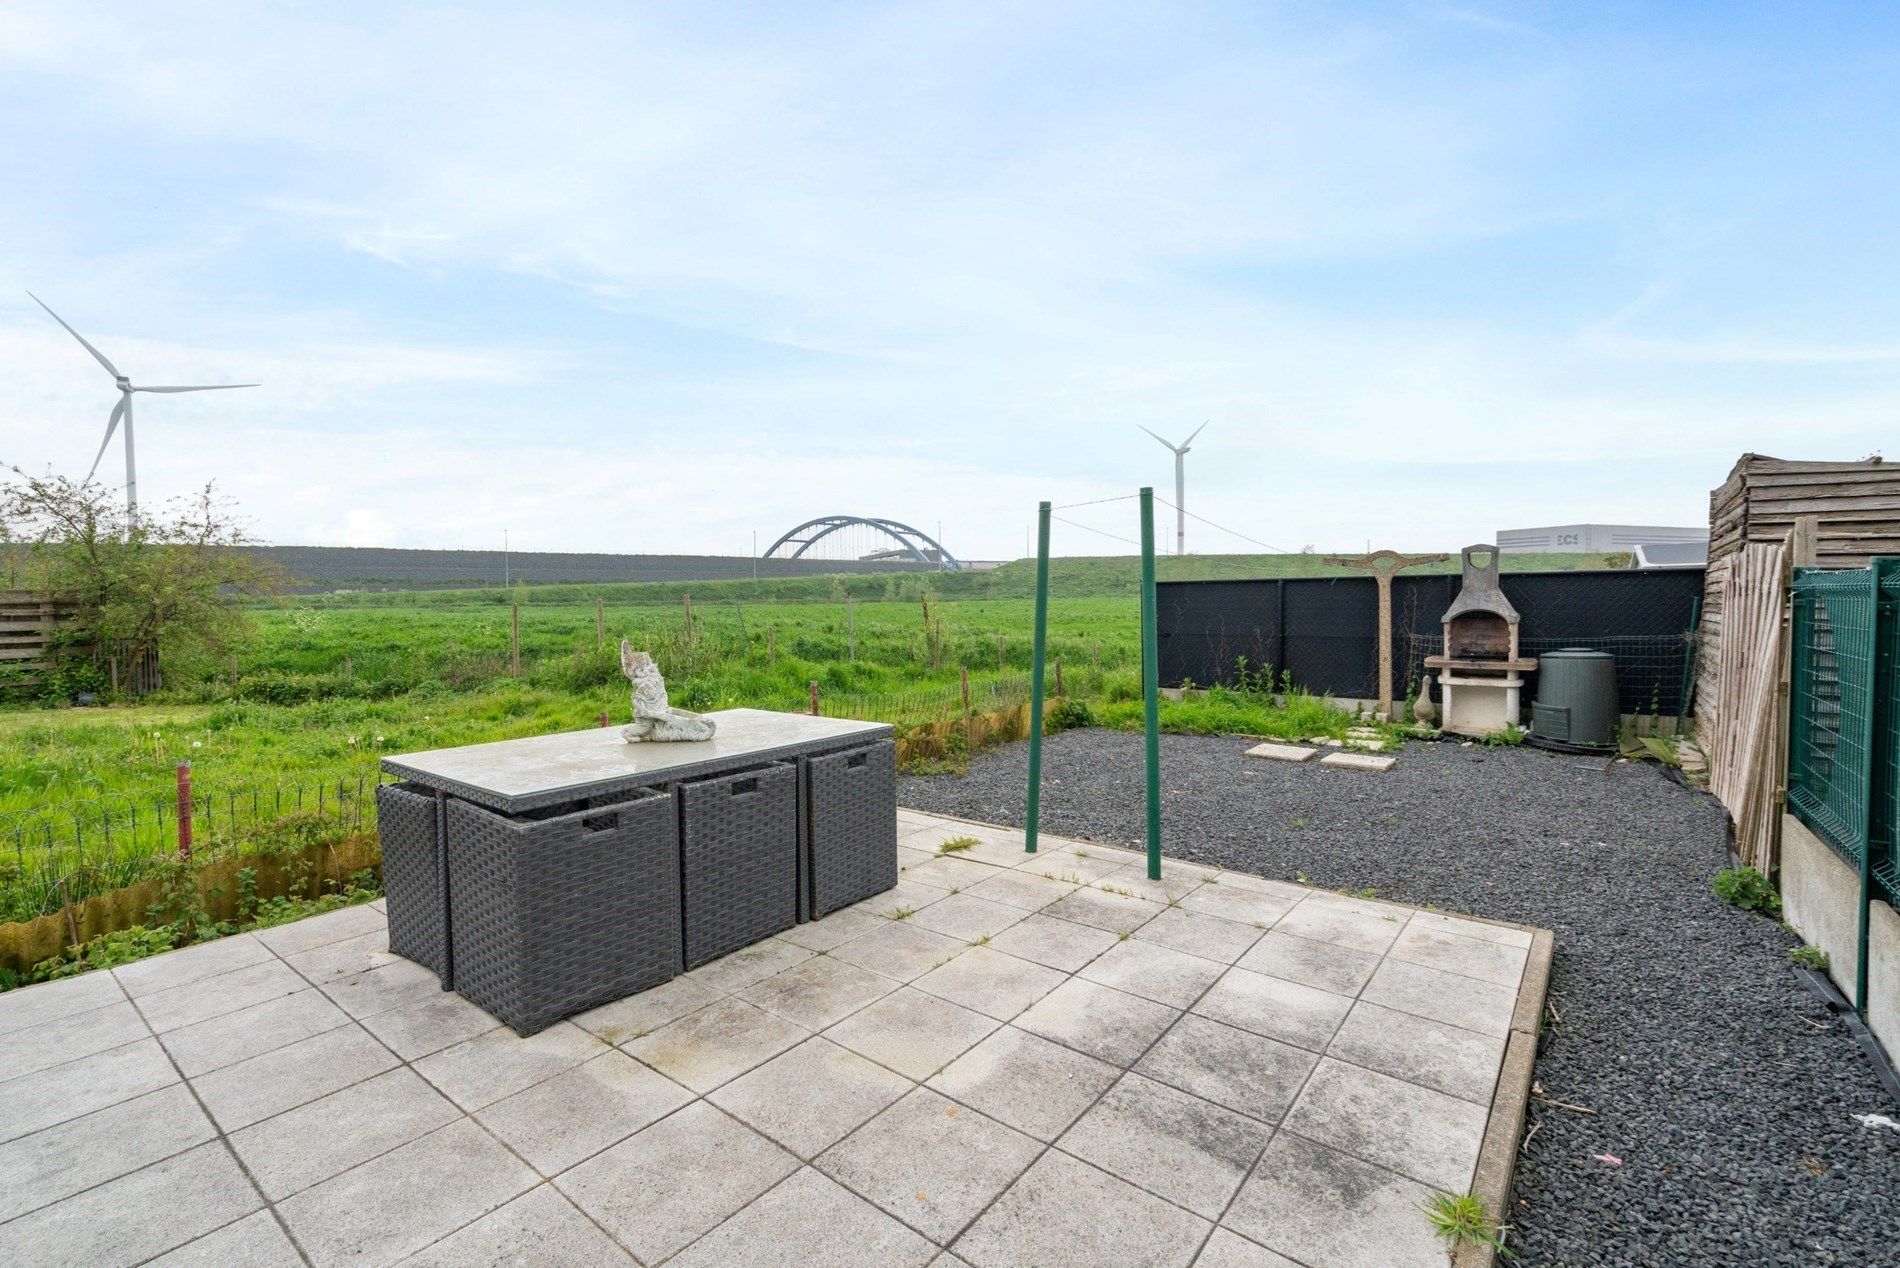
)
(124, 410)
(1180, 452)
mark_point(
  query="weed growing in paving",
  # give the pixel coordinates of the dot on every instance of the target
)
(957, 844)
(1747, 889)
(1461, 1220)
(1809, 958)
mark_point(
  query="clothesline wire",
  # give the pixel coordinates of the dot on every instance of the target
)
(1069, 506)
(1085, 528)
(1222, 527)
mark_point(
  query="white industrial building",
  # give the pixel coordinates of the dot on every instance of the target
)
(1596, 539)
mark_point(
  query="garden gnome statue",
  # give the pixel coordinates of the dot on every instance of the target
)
(1423, 711)
(653, 719)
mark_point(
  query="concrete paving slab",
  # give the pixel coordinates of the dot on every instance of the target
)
(1108, 1024)
(1131, 881)
(822, 990)
(718, 1043)
(1190, 1151)
(912, 1033)
(899, 949)
(396, 985)
(256, 1089)
(498, 1063)
(1509, 936)
(1030, 1083)
(837, 928)
(316, 931)
(1294, 1202)
(30, 1007)
(730, 974)
(1283, 752)
(1117, 913)
(344, 958)
(1243, 906)
(580, 1112)
(1328, 966)
(990, 982)
(319, 1139)
(1235, 1068)
(809, 1219)
(429, 1025)
(1324, 918)
(950, 871)
(539, 1227)
(57, 1162)
(63, 1039)
(1064, 1211)
(1295, 1014)
(1058, 944)
(1441, 996)
(907, 897)
(1358, 761)
(640, 1014)
(1493, 962)
(193, 964)
(402, 1201)
(1228, 1249)
(1427, 1135)
(63, 1092)
(930, 1162)
(233, 1037)
(1207, 936)
(1019, 888)
(1154, 972)
(811, 1097)
(1462, 1063)
(137, 1216)
(256, 1241)
(968, 917)
(636, 1192)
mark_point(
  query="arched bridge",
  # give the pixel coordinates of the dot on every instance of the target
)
(886, 539)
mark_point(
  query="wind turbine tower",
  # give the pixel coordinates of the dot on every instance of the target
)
(1180, 452)
(123, 410)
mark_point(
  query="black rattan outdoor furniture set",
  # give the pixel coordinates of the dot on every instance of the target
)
(546, 876)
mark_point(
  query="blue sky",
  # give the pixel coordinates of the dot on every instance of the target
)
(653, 278)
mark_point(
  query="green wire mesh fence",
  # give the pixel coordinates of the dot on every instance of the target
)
(1844, 708)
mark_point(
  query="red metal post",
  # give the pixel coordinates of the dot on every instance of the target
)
(814, 698)
(184, 810)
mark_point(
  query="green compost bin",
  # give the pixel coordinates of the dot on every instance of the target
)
(1576, 698)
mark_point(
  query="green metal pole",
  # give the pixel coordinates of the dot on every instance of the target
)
(1035, 678)
(1150, 682)
(1877, 668)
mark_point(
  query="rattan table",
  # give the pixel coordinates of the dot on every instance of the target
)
(544, 876)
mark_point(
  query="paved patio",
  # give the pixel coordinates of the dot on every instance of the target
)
(1008, 1060)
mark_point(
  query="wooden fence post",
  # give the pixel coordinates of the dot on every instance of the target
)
(814, 697)
(600, 624)
(514, 640)
(1058, 675)
(184, 811)
(964, 672)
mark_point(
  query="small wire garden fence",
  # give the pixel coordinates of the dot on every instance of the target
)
(57, 855)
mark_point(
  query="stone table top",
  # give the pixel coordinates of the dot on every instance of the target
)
(543, 770)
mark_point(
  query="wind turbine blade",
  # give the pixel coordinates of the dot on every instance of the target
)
(97, 355)
(1163, 440)
(112, 425)
(1191, 435)
(208, 387)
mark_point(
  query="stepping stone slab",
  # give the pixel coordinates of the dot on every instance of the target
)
(1358, 761)
(1282, 752)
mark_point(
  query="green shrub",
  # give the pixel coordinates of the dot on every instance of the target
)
(108, 950)
(1747, 889)
(1066, 714)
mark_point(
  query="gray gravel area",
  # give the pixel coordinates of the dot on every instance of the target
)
(1722, 1084)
